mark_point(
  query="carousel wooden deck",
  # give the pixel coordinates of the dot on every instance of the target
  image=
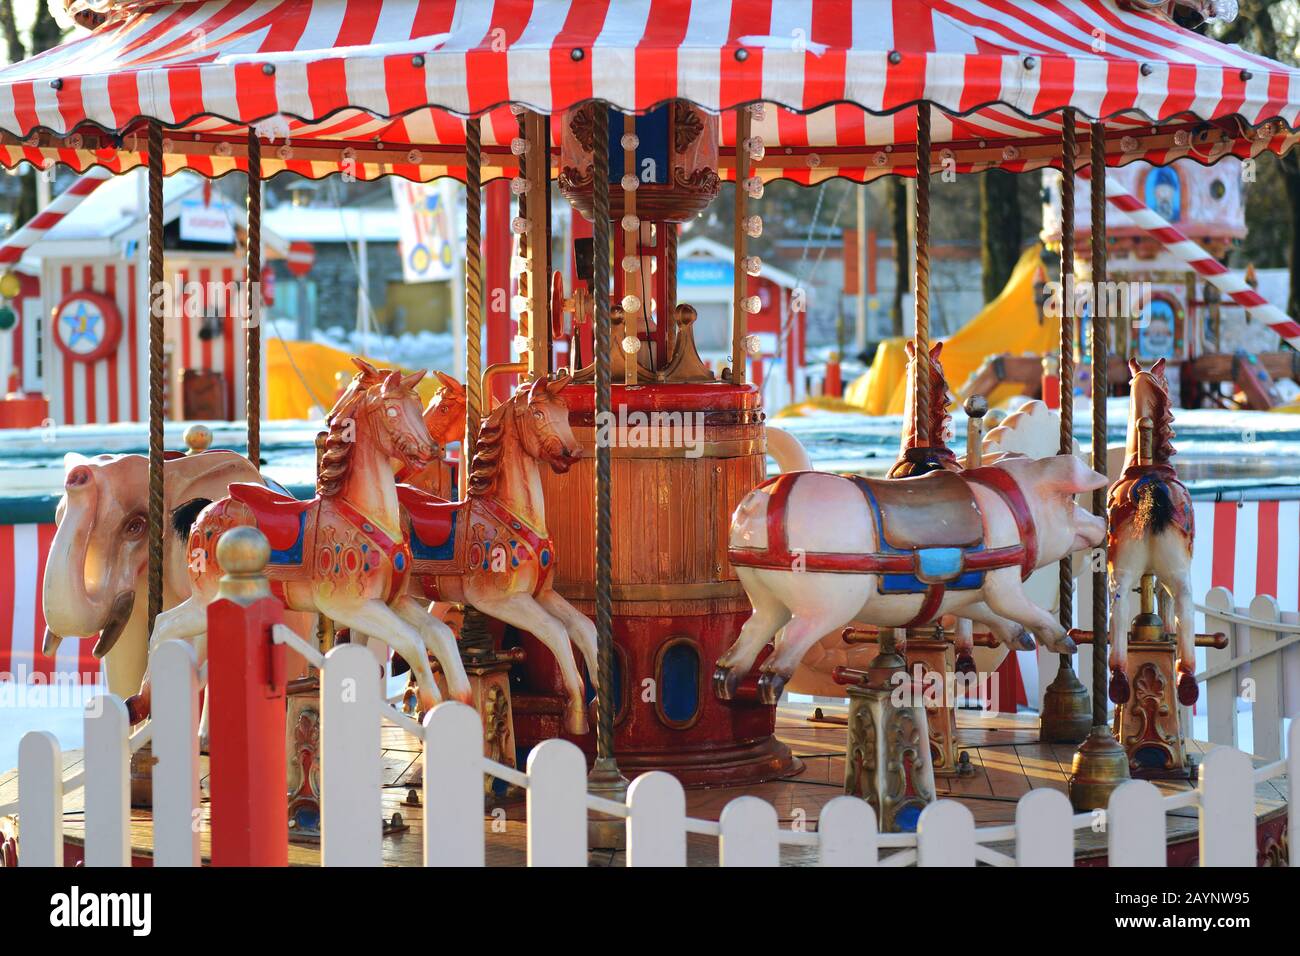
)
(1004, 751)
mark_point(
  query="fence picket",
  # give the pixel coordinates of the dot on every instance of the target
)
(350, 773)
(1292, 775)
(108, 790)
(175, 741)
(656, 826)
(453, 787)
(1044, 832)
(557, 805)
(1221, 691)
(749, 833)
(847, 832)
(40, 799)
(1266, 676)
(945, 835)
(1227, 791)
(1135, 825)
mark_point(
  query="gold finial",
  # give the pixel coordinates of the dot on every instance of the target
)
(242, 554)
(1146, 433)
(977, 406)
(1148, 626)
(198, 438)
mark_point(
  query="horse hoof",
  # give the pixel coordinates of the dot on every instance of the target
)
(1025, 640)
(965, 663)
(770, 687)
(1188, 692)
(575, 722)
(1119, 689)
(137, 709)
(724, 683)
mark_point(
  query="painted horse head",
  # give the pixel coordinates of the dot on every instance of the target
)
(445, 415)
(383, 406)
(538, 418)
(1149, 398)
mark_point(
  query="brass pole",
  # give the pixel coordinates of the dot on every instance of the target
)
(921, 336)
(739, 320)
(1065, 714)
(534, 206)
(156, 372)
(1100, 763)
(473, 295)
(605, 777)
(253, 317)
(631, 247)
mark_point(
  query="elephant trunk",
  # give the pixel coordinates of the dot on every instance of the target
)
(69, 610)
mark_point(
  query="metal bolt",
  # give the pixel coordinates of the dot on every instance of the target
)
(268, 69)
(1030, 62)
(1246, 74)
(1146, 69)
(895, 58)
(577, 54)
(742, 54)
(417, 61)
(56, 84)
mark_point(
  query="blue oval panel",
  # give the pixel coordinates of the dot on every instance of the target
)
(679, 682)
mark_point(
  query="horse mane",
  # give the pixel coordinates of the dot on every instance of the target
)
(336, 460)
(486, 466)
(938, 409)
(1162, 432)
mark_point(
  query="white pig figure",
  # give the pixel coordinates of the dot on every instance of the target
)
(817, 551)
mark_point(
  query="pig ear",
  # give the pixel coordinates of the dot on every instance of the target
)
(1068, 475)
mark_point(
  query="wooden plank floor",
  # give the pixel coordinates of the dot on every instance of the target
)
(1008, 762)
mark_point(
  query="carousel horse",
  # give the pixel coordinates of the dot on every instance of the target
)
(342, 553)
(899, 553)
(95, 575)
(1151, 530)
(492, 550)
(445, 417)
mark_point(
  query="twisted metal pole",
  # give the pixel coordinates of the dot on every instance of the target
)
(1099, 355)
(473, 294)
(604, 531)
(157, 383)
(1069, 157)
(921, 336)
(253, 318)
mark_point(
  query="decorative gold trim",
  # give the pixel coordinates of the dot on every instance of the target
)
(700, 679)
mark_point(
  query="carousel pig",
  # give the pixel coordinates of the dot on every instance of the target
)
(900, 553)
(96, 579)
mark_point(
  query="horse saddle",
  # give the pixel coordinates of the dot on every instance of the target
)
(280, 517)
(935, 511)
(433, 523)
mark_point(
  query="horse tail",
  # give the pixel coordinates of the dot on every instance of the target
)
(1155, 506)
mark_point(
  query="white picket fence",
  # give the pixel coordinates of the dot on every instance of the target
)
(1260, 663)
(747, 832)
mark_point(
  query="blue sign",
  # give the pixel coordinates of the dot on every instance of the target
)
(701, 272)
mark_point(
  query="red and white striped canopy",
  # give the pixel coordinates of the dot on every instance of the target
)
(390, 79)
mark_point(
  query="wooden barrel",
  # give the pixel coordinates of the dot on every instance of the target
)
(683, 456)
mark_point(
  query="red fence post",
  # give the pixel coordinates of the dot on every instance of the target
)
(246, 709)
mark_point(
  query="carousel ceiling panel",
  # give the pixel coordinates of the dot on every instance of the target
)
(383, 86)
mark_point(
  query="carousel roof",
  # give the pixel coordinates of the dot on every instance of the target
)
(391, 80)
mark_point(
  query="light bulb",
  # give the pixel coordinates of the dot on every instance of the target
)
(631, 223)
(755, 147)
(631, 263)
(518, 146)
(415, 157)
(631, 303)
(757, 110)
(519, 225)
(521, 344)
(752, 345)
(754, 187)
(629, 183)
(814, 160)
(519, 185)
(519, 302)
(753, 226)
(752, 304)
(630, 141)
(516, 109)
(631, 345)
(753, 265)
(518, 265)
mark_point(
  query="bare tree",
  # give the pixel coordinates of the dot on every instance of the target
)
(45, 33)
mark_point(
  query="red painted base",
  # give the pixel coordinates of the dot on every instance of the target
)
(667, 717)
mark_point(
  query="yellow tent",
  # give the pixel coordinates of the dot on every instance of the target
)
(1008, 324)
(303, 375)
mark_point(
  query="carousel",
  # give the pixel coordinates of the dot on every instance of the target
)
(608, 586)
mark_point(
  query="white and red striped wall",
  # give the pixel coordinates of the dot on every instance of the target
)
(115, 388)
(1248, 547)
(23, 549)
